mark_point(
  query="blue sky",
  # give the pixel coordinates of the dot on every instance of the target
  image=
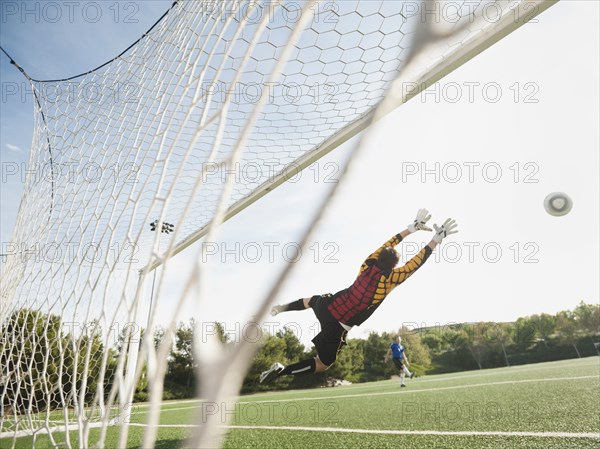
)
(542, 132)
(83, 38)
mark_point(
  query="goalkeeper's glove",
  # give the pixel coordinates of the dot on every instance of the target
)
(276, 310)
(420, 223)
(448, 228)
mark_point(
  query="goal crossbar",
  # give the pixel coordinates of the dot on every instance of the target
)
(509, 22)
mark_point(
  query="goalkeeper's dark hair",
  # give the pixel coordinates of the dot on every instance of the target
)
(388, 258)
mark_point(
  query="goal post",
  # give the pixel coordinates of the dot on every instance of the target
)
(131, 189)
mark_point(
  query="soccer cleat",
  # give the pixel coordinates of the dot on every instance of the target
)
(272, 372)
(412, 375)
(276, 310)
(403, 385)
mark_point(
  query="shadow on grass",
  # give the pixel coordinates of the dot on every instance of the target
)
(167, 444)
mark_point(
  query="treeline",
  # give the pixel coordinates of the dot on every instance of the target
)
(362, 360)
(45, 366)
(450, 348)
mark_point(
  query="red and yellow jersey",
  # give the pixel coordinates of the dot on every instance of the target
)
(355, 304)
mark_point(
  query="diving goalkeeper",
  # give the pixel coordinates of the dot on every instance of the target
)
(350, 307)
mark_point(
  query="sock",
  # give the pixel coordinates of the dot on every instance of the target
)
(406, 371)
(401, 378)
(294, 305)
(304, 367)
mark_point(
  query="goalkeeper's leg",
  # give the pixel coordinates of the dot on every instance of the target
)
(299, 304)
(308, 366)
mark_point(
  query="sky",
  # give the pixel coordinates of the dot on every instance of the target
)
(484, 146)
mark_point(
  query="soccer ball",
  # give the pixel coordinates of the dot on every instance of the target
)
(558, 204)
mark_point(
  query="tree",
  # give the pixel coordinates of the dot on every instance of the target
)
(223, 337)
(349, 363)
(587, 317)
(272, 350)
(545, 326)
(45, 368)
(30, 359)
(524, 333)
(434, 342)
(416, 351)
(182, 364)
(498, 336)
(565, 325)
(465, 339)
(141, 388)
(374, 350)
(294, 349)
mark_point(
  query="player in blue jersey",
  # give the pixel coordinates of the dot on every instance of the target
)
(398, 353)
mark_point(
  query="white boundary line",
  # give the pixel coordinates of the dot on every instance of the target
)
(428, 432)
(454, 387)
(23, 433)
(383, 393)
(402, 432)
(581, 435)
(500, 371)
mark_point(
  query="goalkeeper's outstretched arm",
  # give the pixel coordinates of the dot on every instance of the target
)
(400, 274)
(419, 224)
(443, 231)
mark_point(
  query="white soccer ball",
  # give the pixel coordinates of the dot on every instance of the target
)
(558, 204)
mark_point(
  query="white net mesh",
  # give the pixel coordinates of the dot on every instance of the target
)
(204, 115)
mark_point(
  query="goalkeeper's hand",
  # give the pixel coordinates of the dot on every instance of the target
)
(443, 231)
(420, 223)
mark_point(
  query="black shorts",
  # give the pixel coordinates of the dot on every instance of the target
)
(398, 363)
(332, 338)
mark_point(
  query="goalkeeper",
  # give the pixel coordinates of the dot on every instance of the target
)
(350, 307)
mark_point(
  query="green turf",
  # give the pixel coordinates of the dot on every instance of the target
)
(548, 397)
(287, 439)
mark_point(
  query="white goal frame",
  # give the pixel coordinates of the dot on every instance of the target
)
(229, 364)
(508, 23)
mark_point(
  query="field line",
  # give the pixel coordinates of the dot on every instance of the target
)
(402, 432)
(319, 398)
(481, 373)
(453, 387)
(427, 432)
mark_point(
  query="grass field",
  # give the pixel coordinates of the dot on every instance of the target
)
(547, 406)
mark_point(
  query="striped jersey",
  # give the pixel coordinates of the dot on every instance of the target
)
(355, 304)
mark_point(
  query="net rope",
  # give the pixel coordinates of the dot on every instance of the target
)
(214, 106)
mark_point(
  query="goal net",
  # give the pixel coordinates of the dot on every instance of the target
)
(132, 162)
